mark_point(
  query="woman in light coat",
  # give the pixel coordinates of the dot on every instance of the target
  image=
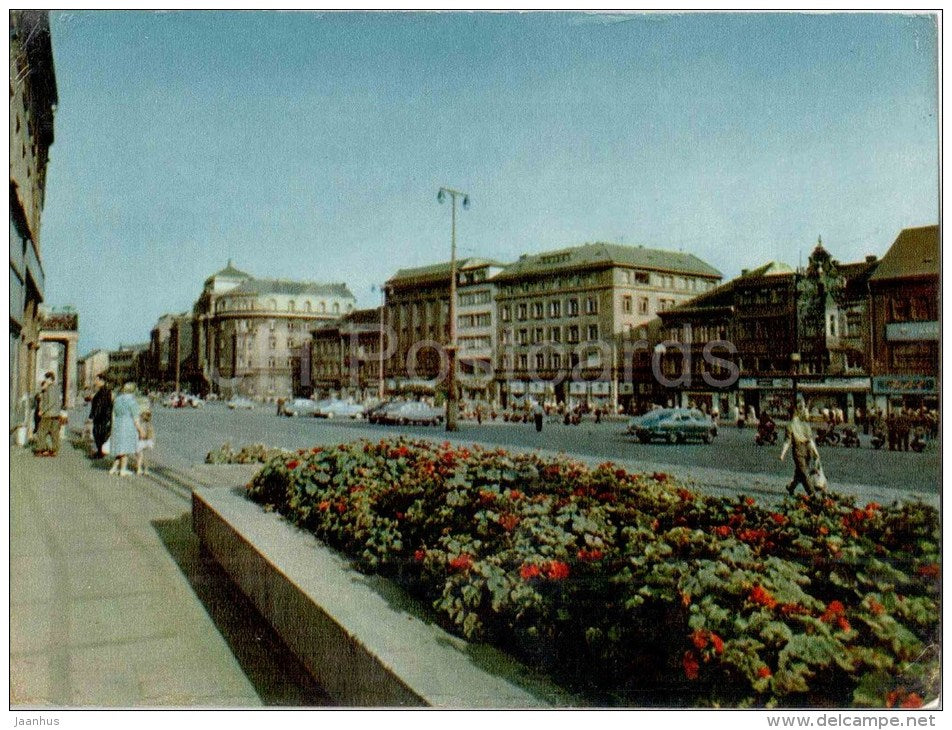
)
(125, 429)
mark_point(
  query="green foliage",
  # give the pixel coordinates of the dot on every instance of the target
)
(628, 585)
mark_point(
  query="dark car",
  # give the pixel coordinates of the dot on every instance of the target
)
(677, 425)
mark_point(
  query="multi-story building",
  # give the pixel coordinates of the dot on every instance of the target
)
(904, 306)
(255, 327)
(756, 340)
(203, 312)
(33, 100)
(90, 365)
(344, 358)
(159, 361)
(127, 364)
(417, 316)
(560, 313)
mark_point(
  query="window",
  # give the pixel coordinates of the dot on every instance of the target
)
(556, 360)
(507, 336)
(537, 335)
(641, 277)
(573, 359)
(591, 306)
(521, 312)
(573, 307)
(523, 337)
(555, 309)
(523, 362)
(642, 305)
(506, 313)
(336, 308)
(593, 332)
(555, 334)
(626, 304)
(573, 333)
(538, 310)
(540, 360)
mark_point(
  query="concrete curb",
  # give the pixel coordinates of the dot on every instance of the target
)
(362, 639)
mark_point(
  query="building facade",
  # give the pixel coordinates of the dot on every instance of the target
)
(33, 100)
(560, 314)
(127, 364)
(416, 316)
(92, 364)
(256, 326)
(905, 322)
(59, 342)
(344, 358)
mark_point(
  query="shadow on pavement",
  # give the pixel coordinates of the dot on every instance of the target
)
(279, 679)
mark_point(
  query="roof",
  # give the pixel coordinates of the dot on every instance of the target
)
(437, 272)
(229, 272)
(591, 255)
(914, 253)
(291, 288)
(723, 296)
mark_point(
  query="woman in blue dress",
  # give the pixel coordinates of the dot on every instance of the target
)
(125, 429)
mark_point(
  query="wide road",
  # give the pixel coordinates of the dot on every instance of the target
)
(185, 436)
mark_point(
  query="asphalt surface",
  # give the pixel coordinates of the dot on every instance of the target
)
(185, 436)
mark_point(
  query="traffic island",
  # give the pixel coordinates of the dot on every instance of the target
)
(365, 642)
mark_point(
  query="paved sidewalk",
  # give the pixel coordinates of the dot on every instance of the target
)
(112, 603)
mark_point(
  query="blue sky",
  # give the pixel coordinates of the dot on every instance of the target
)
(312, 145)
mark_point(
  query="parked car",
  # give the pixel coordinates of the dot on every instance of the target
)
(340, 409)
(677, 425)
(413, 412)
(377, 413)
(635, 421)
(241, 403)
(300, 407)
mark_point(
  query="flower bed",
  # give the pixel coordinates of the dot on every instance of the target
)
(253, 454)
(629, 587)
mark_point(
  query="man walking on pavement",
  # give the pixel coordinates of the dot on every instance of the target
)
(100, 413)
(47, 440)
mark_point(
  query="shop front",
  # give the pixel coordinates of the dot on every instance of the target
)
(709, 401)
(836, 394)
(894, 392)
(773, 396)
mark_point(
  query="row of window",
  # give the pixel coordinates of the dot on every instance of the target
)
(539, 310)
(539, 335)
(471, 299)
(483, 319)
(248, 304)
(551, 360)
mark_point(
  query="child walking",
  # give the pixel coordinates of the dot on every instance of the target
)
(146, 441)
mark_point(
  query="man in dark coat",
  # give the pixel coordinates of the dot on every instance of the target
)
(100, 413)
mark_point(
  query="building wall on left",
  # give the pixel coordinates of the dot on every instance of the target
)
(33, 102)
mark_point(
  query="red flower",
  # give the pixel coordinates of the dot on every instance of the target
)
(875, 607)
(843, 623)
(324, 506)
(699, 639)
(620, 474)
(823, 530)
(717, 642)
(684, 495)
(764, 672)
(778, 518)
(557, 570)
(293, 464)
(509, 522)
(928, 571)
(399, 515)
(659, 476)
(655, 525)
(762, 597)
(722, 531)
(749, 501)
(792, 609)
(316, 450)
(590, 556)
(529, 571)
(515, 494)
(834, 609)
(690, 664)
(419, 555)
(486, 497)
(462, 562)
(341, 507)
(912, 702)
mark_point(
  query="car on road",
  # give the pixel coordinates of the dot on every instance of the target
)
(339, 409)
(677, 425)
(239, 403)
(377, 413)
(413, 412)
(635, 421)
(300, 407)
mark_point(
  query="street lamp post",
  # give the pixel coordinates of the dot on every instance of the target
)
(452, 399)
(383, 306)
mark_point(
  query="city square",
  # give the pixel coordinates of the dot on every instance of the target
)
(494, 456)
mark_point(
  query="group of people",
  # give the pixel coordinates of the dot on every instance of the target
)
(120, 426)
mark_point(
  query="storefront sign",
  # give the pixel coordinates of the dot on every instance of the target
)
(904, 385)
(765, 383)
(837, 384)
(912, 331)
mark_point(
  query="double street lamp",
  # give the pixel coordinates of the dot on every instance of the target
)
(452, 398)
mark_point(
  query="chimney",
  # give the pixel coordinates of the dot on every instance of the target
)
(870, 258)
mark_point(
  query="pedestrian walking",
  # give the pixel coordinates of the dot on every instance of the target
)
(537, 414)
(125, 429)
(805, 453)
(903, 427)
(47, 439)
(100, 414)
(146, 441)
